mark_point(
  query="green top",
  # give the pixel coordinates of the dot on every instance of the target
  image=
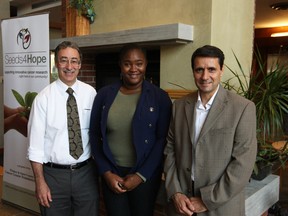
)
(119, 129)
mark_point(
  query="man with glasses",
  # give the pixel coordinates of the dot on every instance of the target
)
(59, 148)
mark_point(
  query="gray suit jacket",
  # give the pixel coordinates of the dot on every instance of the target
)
(224, 155)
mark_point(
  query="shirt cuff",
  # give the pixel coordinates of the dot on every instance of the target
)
(141, 176)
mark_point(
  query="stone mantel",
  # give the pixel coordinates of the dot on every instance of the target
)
(177, 33)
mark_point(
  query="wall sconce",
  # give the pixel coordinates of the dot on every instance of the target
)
(280, 34)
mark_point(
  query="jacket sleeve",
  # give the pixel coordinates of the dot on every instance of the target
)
(172, 180)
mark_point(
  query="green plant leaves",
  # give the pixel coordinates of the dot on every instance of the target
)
(268, 89)
(84, 7)
(29, 98)
(25, 102)
(18, 97)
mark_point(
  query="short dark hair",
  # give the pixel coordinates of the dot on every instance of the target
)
(131, 46)
(208, 51)
(64, 45)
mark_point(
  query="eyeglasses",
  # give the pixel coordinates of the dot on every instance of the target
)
(74, 62)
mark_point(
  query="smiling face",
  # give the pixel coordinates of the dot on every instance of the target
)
(133, 67)
(68, 64)
(207, 75)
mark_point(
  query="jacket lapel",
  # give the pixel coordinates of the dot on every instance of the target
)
(215, 111)
(189, 113)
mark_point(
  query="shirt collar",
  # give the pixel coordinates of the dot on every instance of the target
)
(210, 102)
(63, 87)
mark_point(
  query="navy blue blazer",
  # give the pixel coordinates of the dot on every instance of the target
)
(149, 129)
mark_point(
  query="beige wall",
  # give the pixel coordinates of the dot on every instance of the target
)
(227, 24)
(233, 31)
(114, 15)
(4, 13)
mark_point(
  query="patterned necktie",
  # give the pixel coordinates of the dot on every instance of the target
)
(74, 131)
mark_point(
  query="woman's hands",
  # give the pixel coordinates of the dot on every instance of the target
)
(120, 185)
(114, 182)
(131, 181)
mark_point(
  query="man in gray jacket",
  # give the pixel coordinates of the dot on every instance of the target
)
(211, 144)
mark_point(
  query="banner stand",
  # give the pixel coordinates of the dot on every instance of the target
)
(26, 61)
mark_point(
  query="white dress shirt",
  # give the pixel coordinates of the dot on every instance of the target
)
(200, 115)
(47, 126)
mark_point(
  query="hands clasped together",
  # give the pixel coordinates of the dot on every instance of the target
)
(188, 206)
(121, 185)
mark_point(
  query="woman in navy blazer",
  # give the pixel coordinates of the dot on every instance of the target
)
(130, 189)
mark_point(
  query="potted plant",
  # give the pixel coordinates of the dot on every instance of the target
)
(85, 8)
(269, 159)
(269, 91)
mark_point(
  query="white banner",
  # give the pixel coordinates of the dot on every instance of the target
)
(26, 72)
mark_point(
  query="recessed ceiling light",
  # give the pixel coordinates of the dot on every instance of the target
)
(280, 6)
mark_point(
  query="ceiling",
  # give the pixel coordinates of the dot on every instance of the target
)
(265, 16)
